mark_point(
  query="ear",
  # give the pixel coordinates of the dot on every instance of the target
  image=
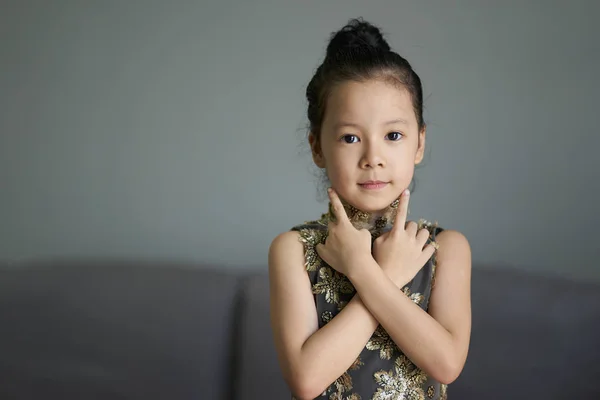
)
(315, 148)
(421, 147)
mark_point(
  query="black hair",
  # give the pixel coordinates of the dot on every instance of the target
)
(358, 52)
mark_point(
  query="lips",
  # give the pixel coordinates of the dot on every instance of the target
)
(373, 185)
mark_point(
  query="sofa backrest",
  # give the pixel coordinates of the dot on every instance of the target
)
(257, 369)
(533, 336)
(124, 331)
(116, 332)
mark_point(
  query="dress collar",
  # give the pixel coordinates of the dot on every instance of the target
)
(365, 220)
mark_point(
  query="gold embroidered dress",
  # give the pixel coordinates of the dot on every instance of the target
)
(381, 371)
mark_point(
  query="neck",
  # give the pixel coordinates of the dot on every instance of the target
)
(372, 221)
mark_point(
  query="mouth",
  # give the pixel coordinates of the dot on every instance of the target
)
(373, 185)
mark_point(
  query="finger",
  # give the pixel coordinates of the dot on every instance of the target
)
(402, 213)
(422, 236)
(411, 228)
(427, 253)
(383, 237)
(338, 208)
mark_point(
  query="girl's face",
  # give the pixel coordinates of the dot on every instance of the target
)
(370, 143)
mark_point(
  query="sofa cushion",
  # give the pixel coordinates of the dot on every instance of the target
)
(533, 336)
(115, 332)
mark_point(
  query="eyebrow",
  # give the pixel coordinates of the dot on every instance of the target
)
(397, 121)
(351, 124)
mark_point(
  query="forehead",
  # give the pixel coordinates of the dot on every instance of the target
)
(368, 102)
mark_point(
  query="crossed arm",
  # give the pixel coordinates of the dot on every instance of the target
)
(311, 359)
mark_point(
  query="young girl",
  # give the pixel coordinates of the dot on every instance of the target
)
(365, 304)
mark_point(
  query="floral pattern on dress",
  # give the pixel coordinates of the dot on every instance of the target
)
(380, 340)
(344, 383)
(332, 284)
(310, 238)
(403, 382)
(417, 298)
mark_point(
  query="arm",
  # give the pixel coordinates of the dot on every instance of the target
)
(310, 358)
(437, 342)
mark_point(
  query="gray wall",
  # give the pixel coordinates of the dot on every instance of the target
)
(175, 130)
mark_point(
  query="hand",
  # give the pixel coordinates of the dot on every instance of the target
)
(401, 252)
(345, 245)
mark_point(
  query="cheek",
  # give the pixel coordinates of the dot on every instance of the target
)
(338, 169)
(407, 165)
(402, 165)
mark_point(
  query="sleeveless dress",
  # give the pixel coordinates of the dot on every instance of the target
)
(381, 371)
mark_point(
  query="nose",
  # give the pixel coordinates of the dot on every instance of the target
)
(372, 156)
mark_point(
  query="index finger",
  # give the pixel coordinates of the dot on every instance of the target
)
(338, 208)
(402, 213)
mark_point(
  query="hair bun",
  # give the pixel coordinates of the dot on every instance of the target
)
(357, 35)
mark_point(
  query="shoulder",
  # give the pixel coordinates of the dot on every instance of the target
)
(452, 244)
(285, 239)
(452, 259)
(285, 242)
(286, 249)
(288, 278)
(299, 243)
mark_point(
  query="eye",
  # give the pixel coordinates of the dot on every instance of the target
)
(394, 136)
(350, 138)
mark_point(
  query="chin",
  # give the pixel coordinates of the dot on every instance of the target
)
(371, 201)
(371, 204)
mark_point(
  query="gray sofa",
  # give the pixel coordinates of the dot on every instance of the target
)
(146, 331)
